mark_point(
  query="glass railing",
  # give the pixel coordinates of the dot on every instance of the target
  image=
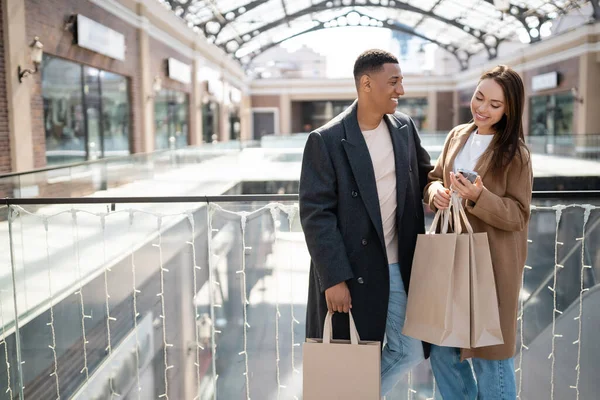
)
(89, 177)
(206, 297)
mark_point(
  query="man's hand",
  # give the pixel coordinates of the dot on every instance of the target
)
(338, 298)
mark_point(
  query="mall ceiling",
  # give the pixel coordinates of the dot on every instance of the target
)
(247, 28)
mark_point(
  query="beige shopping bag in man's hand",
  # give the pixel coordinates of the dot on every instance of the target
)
(485, 313)
(341, 369)
(438, 308)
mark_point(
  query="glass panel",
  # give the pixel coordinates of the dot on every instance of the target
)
(63, 112)
(161, 117)
(93, 112)
(171, 110)
(210, 121)
(116, 114)
(181, 106)
(417, 109)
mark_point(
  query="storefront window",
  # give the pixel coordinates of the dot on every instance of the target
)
(115, 111)
(234, 124)
(318, 113)
(86, 112)
(551, 115)
(171, 112)
(417, 109)
(63, 116)
(210, 121)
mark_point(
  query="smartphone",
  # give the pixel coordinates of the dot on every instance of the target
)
(470, 175)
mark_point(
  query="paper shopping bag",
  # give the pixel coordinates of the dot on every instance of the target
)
(438, 309)
(341, 369)
(485, 313)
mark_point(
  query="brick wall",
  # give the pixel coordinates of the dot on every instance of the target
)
(46, 19)
(159, 52)
(265, 101)
(5, 161)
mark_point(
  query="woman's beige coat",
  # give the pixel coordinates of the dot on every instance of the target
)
(502, 211)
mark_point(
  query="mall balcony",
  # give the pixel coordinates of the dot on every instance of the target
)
(150, 153)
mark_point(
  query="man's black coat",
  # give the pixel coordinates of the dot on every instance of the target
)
(341, 218)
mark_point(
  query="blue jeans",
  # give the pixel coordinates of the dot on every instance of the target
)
(400, 353)
(491, 380)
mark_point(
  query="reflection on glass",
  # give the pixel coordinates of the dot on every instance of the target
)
(551, 115)
(210, 121)
(86, 112)
(171, 109)
(91, 90)
(417, 109)
(234, 124)
(115, 114)
(63, 116)
(318, 113)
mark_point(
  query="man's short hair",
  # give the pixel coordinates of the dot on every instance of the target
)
(372, 61)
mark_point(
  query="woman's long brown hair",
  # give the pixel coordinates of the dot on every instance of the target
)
(509, 140)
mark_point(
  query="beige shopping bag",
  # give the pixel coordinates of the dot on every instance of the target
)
(341, 369)
(438, 300)
(485, 313)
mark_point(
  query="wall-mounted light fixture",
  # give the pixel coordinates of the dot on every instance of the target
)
(576, 97)
(156, 87)
(36, 57)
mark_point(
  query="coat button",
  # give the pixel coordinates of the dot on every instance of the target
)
(364, 242)
(360, 280)
(410, 168)
(354, 193)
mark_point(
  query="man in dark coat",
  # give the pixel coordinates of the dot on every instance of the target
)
(361, 209)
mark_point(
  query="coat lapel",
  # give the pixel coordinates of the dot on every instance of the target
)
(399, 134)
(362, 168)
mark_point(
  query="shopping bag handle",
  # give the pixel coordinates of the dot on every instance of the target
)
(445, 215)
(459, 213)
(328, 331)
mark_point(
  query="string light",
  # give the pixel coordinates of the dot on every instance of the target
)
(3, 342)
(210, 210)
(275, 216)
(51, 323)
(195, 267)
(245, 302)
(163, 315)
(520, 319)
(586, 217)
(106, 295)
(136, 314)
(275, 210)
(433, 391)
(411, 391)
(79, 292)
(291, 212)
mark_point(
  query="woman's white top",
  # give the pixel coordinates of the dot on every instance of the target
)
(471, 152)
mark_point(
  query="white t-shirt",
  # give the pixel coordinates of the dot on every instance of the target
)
(381, 150)
(471, 152)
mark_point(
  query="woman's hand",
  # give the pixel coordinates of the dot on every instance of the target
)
(465, 188)
(441, 196)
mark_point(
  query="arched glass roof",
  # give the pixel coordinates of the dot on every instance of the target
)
(247, 28)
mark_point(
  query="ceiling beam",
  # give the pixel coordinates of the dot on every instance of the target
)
(477, 34)
(462, 56)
